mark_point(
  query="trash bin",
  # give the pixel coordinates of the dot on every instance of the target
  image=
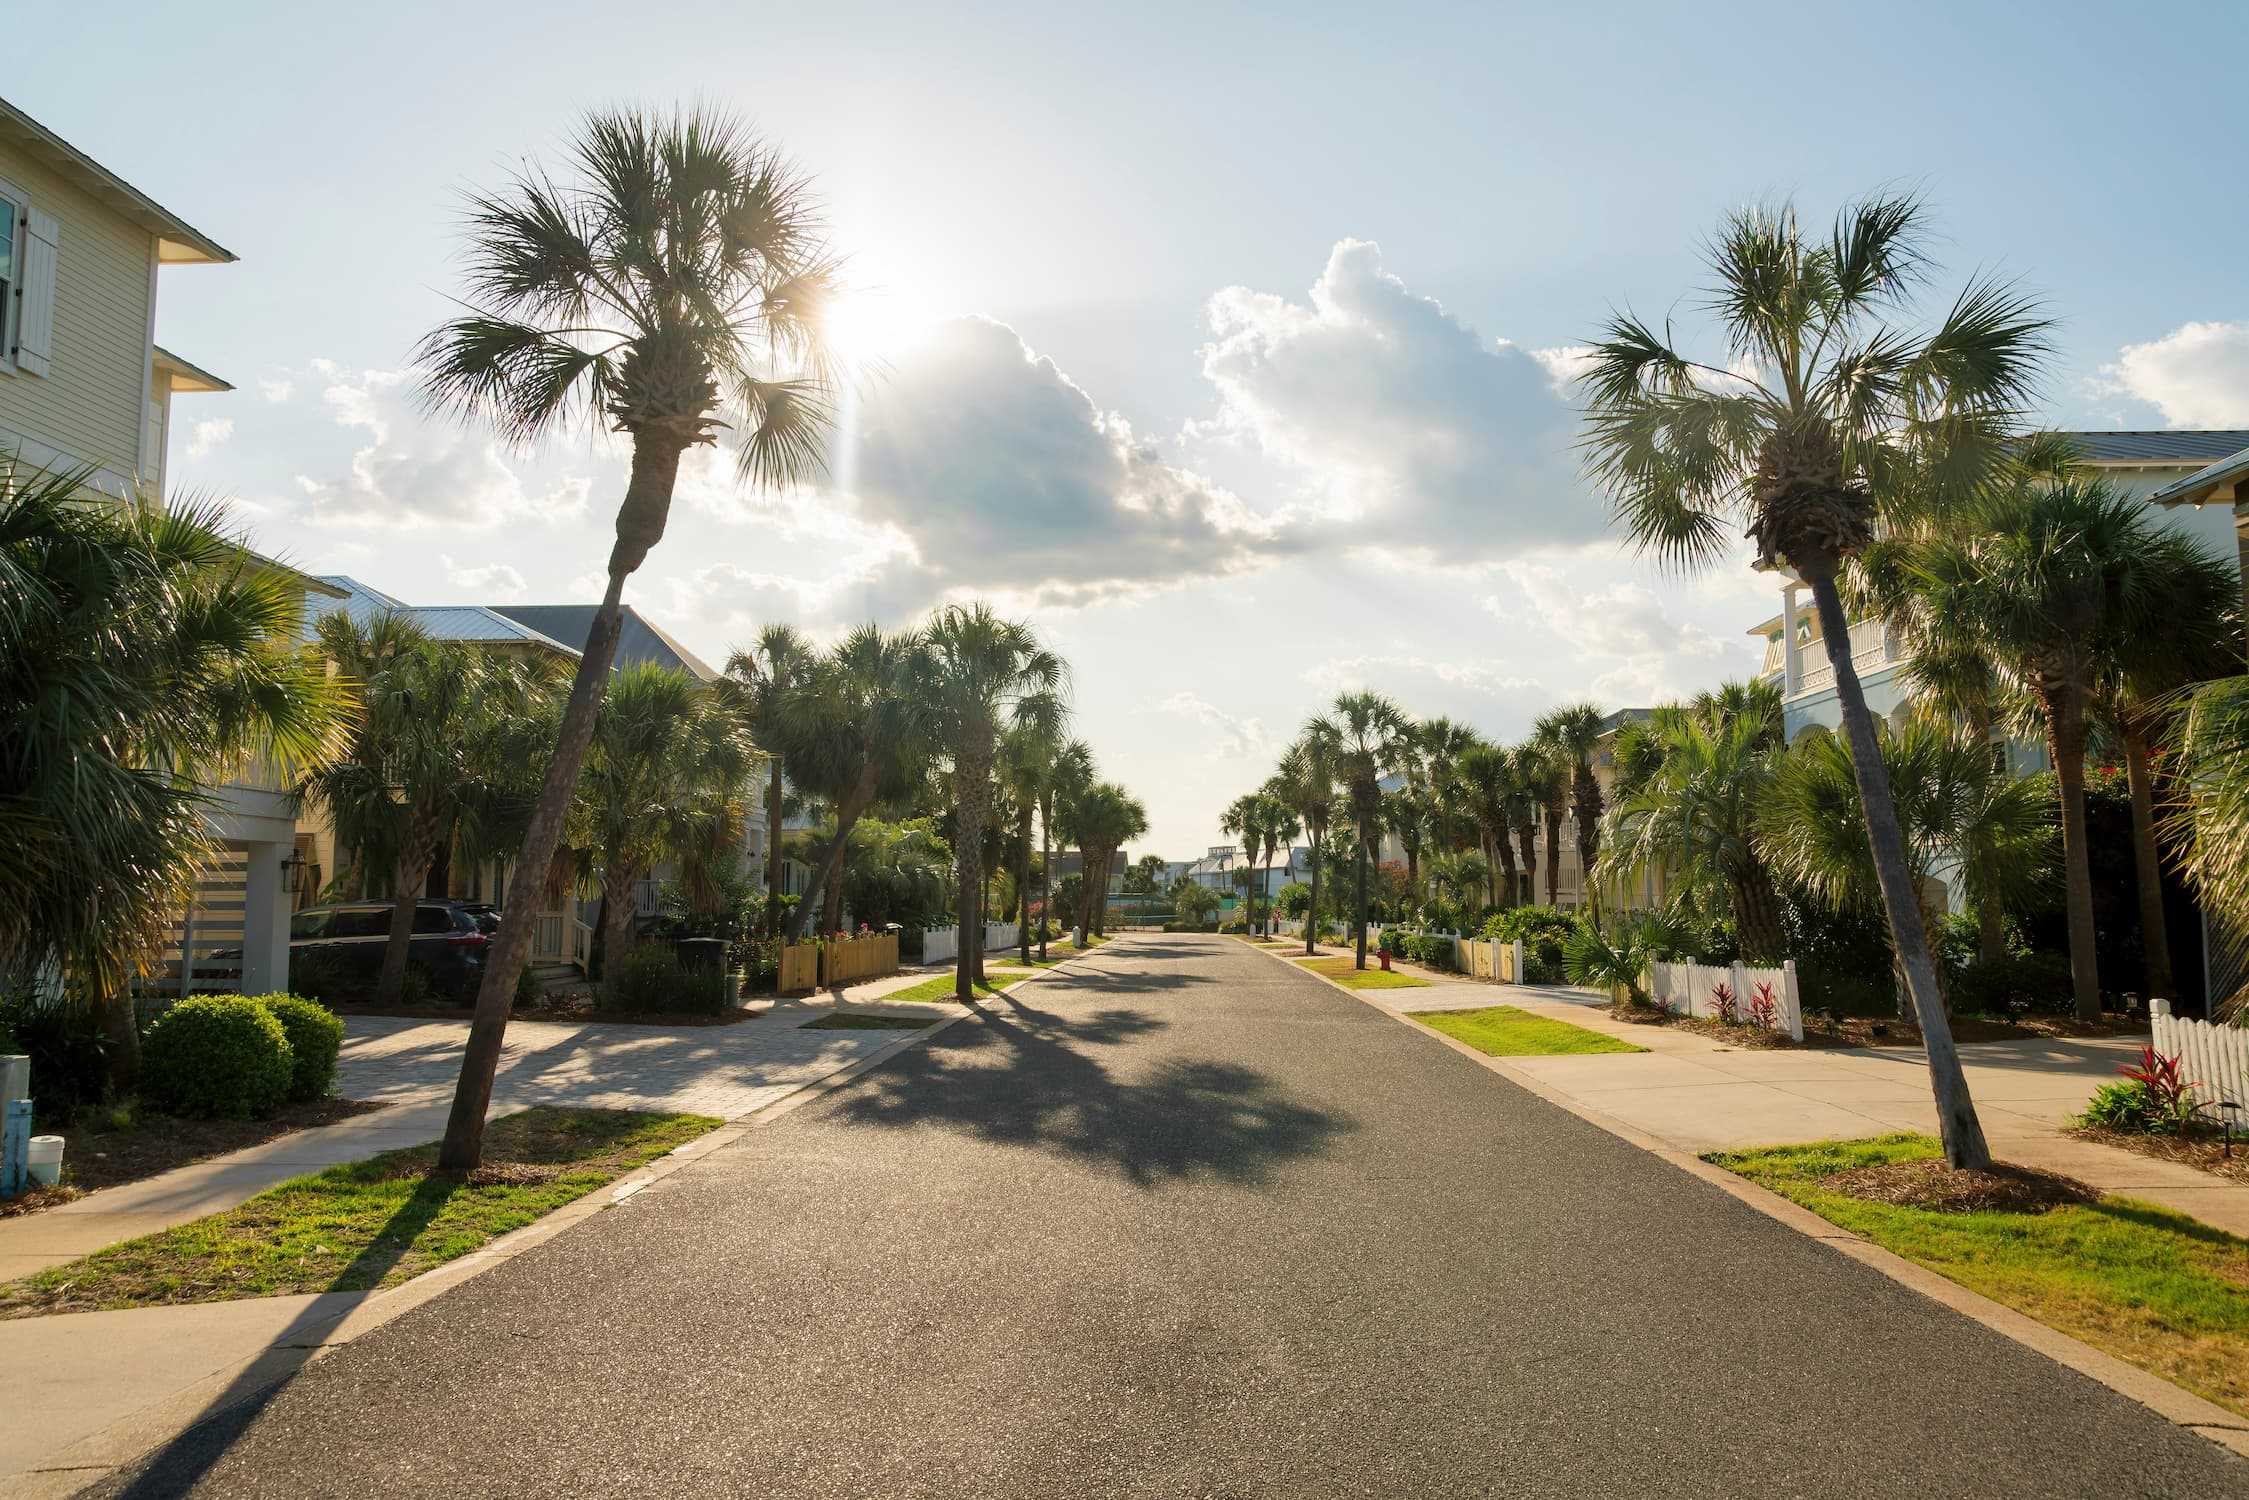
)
(700, 955)
(45, 1160)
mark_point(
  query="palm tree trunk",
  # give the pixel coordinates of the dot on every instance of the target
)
(2155, 933)
(972, 786)
(831, 906)
(406, 893)
(773, 849)
(1764, 938)
(1023, 889)
(1526, 839)
(1587, 797)
(828, 877)
(495, 998)
(617, 920)
(2065, 716)
(1957, 1124)
(1553, 856)
(1362, 901)
(1312, 917)
(1046, 868)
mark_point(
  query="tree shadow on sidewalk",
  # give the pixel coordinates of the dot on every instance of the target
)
(1026, 1077)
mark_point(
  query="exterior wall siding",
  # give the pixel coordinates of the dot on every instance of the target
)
(89, 407)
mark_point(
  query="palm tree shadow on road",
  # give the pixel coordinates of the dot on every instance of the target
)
(1027, 1077)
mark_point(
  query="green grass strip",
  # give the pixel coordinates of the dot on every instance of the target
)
(1505, 1031)
(1339, 969)
(2154, 1288)
(938, 989)
(365, 1224)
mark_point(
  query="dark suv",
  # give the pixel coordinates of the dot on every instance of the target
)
(448, 946)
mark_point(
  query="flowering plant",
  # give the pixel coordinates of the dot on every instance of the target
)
(1722, 1003)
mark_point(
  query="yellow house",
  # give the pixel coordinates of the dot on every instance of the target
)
(84, 385)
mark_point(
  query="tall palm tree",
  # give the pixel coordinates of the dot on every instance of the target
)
(668, 779)
(1486, 774)
(1102, 818)
(2057, 582)
(1529, 771)
(442, 731)
(144, 656)
(1071, 769)
(756, 684)
(855, 727)
(1953, 802)
(1244, 822)
(1808, 438)
(984, 674)
(674, 284)
(2210, 816)
(1030, 756)
(1572, 733)
(1307, 784)
(1277, 830)
(1372, 735)
(1546, 776)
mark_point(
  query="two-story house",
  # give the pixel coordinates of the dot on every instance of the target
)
(84, 385)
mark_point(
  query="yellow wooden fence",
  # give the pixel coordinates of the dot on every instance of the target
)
(800, 970)
(807, 966)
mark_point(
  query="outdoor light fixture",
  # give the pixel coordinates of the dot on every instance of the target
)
(293, 872)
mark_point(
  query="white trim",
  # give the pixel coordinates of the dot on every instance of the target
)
(152, 463)
(10, 311)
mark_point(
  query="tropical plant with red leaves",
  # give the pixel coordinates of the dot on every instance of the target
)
(1764, 1007)
(1723, 1005)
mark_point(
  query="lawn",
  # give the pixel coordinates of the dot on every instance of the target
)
(366, 1224)
(1339, 969)
(938, 989)
(1504, 1031)
(2152, 1287)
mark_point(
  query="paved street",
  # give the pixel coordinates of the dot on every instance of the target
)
(1186, 1222)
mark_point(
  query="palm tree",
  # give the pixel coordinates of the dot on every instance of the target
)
(1528, 773)
(1371, 735)
(2210, 818)
(1546, 777)
(678, 282)
(2058, 583)
(1809, 438)
(1244, 821)
(984, 674)
(1486, 773)
(1071, 769)
(1953, 801)
(854, 727)
(144, 656)
(441, 734)
(1306, 779)
(667, 778)
(756, 683)
(1694, 816)
(1031, 755)
(1101, 818)
(1277, 829)
(1572, 733)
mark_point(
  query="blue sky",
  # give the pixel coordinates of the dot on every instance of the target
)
(1240, 427)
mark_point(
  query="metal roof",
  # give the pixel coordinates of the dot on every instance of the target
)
(2177, 445)
(444, 622)
(2199, 486)
(638, 641)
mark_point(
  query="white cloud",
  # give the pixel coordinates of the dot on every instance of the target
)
(414, 470)
(1395, 413)
(1238, 738)
(2197, 375)
(208, 435)
(277, 391)
(492, 583)
(1350, 673)
(1630, 646)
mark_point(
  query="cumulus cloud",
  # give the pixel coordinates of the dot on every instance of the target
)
(1392, 411)
(277, 390)
(1350, 673)
(208, 435)
(2197, 375)
(411, 470)
(1237, 738)
(493, 583)
(1631, 647)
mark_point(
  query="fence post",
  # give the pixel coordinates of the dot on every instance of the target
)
(1795, 1001)
(1522, 975)
(15, 1124)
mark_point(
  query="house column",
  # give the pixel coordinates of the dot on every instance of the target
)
(265, 921)
(1791, 655)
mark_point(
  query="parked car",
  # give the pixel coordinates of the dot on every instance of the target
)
(447, 948)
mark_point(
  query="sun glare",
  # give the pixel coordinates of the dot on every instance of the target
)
(870, 324)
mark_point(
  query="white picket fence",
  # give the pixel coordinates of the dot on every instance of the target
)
(941, 945)
(1691, 990)
(2213, 1059)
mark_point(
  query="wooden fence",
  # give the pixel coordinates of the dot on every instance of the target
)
(1692, 990)
(800, 970)
(2214, 1060)
(869, 957)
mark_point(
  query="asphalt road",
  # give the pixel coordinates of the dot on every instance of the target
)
(1186, 1223)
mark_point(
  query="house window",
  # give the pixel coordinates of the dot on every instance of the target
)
(11, 227)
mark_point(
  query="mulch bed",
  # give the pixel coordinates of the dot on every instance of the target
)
(95, 1157)
(1889, 1031)
(1941, 1189)
(2204, 1149)
(1739, 1035)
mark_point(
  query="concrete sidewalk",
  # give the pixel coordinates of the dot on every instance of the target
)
(1698, 1094)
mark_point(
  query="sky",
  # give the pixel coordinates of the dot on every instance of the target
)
(1226, 344)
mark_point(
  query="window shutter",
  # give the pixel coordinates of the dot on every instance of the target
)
(35, 319)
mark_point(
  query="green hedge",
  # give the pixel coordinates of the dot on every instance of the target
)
(316, 1035)
(217, 1057)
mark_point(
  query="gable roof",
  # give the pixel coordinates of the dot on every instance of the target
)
(640, 639)
(177, 240)
(444, 622)
(2194, 446)
(2228, 473)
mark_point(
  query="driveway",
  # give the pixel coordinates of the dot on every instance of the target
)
(1186, 1222)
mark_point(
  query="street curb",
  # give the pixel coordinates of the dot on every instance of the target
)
(2179, 1406)
(134, 1436)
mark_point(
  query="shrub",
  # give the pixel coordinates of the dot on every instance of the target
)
(1542, 930)
(2124, 1105)
(315, 1036)
(1764, 1007)
(69, 1056)
(526, 987)
(1722, 1004)
(217, 1057)
(646, 978)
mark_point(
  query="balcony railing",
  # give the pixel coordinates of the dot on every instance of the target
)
(1871, 647)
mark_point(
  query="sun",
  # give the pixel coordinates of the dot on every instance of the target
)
(872, 323)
